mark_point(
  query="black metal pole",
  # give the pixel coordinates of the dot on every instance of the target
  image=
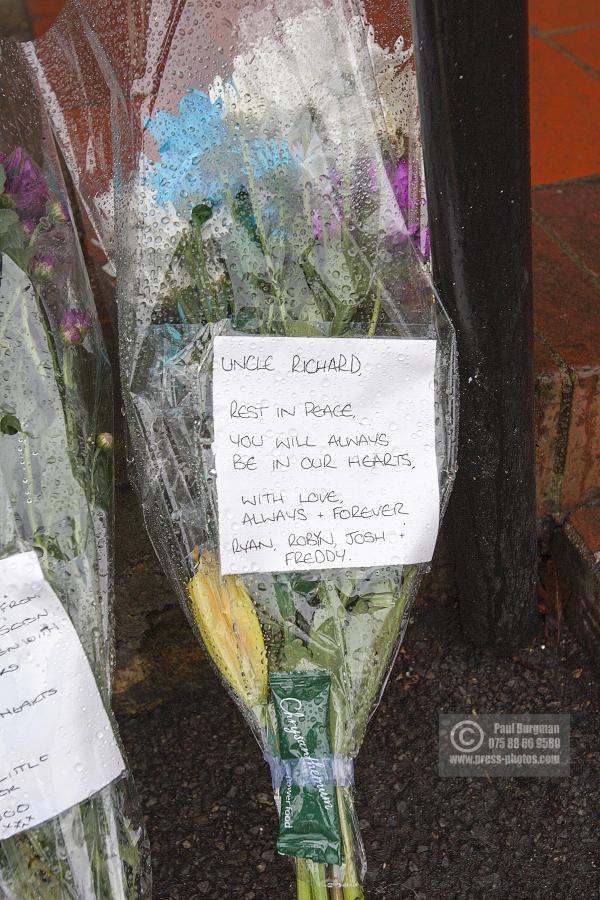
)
(472, 68)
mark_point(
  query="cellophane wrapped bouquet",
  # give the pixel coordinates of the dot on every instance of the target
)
(56, 488)
(263, 184)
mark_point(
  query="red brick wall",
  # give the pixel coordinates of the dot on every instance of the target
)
(42, 14)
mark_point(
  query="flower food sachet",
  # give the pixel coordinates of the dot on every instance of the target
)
(288, 370)
(309, 824)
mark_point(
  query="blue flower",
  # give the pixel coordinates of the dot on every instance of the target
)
(183, 140)
(201, 154)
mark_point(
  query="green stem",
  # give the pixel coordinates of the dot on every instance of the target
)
(262, 235)
(68, 377)
(317, 880)
(352, 888)
(97, 453)
(29, 476)
(43, 225)
(303, 888)
(91, 502)
(376, 311)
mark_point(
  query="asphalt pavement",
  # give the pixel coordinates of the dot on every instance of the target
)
(207, 799)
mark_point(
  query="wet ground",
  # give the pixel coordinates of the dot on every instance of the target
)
(207, 798)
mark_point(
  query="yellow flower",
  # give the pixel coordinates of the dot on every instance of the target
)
(229, 626)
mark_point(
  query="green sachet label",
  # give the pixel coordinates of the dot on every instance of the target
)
(309, 823)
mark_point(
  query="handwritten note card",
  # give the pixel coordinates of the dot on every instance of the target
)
(56, 742)
(325, 452)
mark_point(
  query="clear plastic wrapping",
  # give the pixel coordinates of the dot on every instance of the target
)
(264, 181)
(56, 491)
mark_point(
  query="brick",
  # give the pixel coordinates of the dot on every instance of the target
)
(565, 304)
(41, 24)
(123, 37)
(564, 116)
(41, 8)
(586, 522)
(581, 479)
(548, 14)
(578, 570)
(390, 21)
(549, 442)
(573, 212)
(584, 44)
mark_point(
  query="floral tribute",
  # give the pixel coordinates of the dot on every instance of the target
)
(266, 181)
(272, 202)
(56, 489)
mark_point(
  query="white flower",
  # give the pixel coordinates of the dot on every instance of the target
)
(303, 70)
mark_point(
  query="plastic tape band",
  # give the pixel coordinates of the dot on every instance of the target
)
(312, 772)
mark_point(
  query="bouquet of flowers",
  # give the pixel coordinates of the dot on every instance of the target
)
(259, 204)
(69, 822)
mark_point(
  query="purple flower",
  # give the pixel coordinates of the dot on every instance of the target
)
(74, 326)
(400, 181)
(26, 185)
(317, 225)
(333, 224)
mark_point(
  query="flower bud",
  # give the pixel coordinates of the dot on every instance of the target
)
(229, 626)
(105, 441)
(42, 266)
(57, 212)
(7, 202)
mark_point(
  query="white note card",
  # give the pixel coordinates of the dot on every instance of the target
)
(325, 452)
(57, 746)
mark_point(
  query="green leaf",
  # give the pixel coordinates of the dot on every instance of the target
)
(8, 220)
(9, 425)
(248, 318)
(14, 239)
(285, 602)
(297, 328)
(293, 654)
(48, 545)
(308, 587)
(244, 213)
(2, 179)
(201, 213)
